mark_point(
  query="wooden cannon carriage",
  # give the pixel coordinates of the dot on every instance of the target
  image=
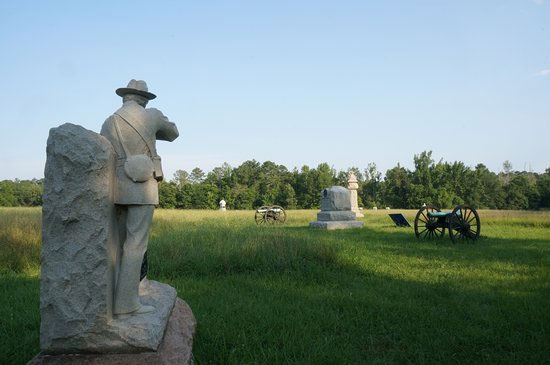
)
(463, 223)
(270, 215)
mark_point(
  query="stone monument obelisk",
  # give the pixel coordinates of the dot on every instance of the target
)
(353, 185)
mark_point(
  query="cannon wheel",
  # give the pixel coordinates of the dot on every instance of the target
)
(464, 224)
(261, 215)
(279, 216)
(424, 226)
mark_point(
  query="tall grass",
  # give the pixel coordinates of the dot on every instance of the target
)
(20, 238)
(290, 294)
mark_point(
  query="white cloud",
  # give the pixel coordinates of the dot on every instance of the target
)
(538, 2)
(545, 72)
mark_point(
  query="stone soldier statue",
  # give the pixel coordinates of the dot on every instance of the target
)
(133, 131)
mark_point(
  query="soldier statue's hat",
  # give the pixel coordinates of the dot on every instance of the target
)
(138, 87)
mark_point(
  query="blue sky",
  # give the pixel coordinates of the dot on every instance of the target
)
(294, 82)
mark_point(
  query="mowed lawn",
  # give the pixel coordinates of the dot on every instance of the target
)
(290, 294)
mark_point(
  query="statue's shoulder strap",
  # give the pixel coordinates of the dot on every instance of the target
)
(128, 119)
(119, 135)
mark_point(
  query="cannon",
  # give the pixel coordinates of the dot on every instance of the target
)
(463, 223)
(270, 215)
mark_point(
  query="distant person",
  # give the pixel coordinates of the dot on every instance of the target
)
(133, 131)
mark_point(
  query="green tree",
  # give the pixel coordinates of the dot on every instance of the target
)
(167, 194)
(28, 193)
(268, 181)
(184, 196)
(247, 173)
(461, 183)
(543, 188)
(181, 177)
(444, 193)
(305, 188)
(286, 197)
(370, 190)
(204, 196)
(507, 171)
(421, 189)
(196, 176)
(489, 188)
(397, 187)
(517, 191)
(221, 178)
(241, 197)
(326, 177)
(7, 194)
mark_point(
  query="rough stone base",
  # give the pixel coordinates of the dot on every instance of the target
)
(358, 214)
(175, 347)
(336, 224)
(127, 333)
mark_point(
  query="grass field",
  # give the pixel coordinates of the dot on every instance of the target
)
(289, 294)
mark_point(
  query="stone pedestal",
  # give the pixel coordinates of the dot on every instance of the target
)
(79, 255)
(175, 347)
(336, 224)
(336, 210)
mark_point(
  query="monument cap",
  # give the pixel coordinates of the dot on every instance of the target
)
(138, 87)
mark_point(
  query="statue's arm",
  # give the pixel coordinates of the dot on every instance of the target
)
(167, 131)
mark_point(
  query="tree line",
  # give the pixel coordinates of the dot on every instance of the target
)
(253, 184)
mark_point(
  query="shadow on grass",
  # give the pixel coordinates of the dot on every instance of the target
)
(280, 318)
(19, 318)
(295, 294)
